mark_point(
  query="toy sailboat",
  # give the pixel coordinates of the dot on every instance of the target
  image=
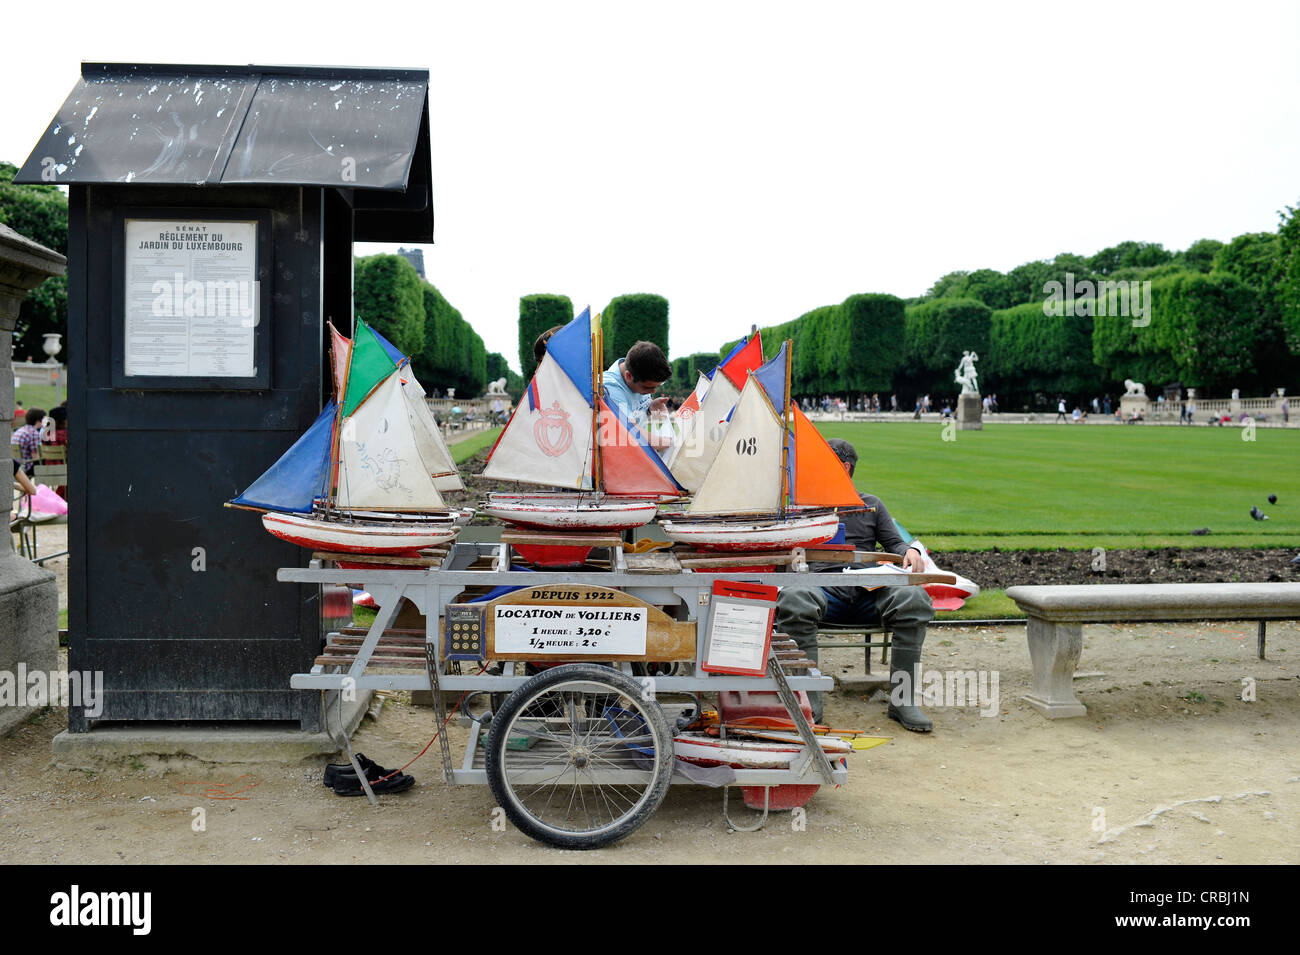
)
(774, 481)
(563, 435)
(366, 477)
(703, 418)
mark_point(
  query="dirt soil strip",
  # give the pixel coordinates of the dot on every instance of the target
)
(1169, 766)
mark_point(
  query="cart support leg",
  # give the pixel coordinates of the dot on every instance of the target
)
(767, 802)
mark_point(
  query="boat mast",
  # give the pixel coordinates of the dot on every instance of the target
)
(786, 423)
(597, 367)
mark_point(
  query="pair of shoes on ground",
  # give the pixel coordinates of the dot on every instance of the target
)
(342, 778)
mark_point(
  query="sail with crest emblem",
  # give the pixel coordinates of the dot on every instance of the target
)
(564, 435)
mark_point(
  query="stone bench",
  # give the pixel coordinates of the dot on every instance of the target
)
(1057, 614)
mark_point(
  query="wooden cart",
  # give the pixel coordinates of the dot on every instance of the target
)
(581, 753)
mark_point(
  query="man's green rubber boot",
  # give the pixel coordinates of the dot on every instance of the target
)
(904, 670)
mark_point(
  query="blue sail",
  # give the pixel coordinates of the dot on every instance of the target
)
(393, 351)
(771, 375)
(571, 349)
(300, 476)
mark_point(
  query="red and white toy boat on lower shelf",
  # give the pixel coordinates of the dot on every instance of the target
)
(774, 480)
(601, 473)
(367, 476)
(748, 753)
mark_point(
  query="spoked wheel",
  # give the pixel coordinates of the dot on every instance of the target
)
(577, 758)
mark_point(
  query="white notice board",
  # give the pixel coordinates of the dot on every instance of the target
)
(191, 298)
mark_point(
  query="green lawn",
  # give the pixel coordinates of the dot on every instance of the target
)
(39, 396)
(1080, 486)
(464, 450)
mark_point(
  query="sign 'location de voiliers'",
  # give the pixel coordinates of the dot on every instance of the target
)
(191, 298)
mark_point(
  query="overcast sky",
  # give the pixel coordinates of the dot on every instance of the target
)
(752, 161)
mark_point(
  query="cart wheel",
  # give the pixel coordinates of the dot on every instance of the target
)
(577, 759)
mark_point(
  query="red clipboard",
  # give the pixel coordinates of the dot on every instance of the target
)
(743, 606)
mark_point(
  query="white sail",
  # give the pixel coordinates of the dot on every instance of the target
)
(428, 437)
(702, 434)
(549, 438)
(380, 465)
(745, 477)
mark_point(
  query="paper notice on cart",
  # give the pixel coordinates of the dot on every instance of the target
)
(599, 631)
(738, 635)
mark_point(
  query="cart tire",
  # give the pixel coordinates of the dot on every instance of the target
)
(582, 719)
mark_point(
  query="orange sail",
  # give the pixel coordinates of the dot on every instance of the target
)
(819, 476)
(629, 465)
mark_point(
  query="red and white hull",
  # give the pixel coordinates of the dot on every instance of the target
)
(758, 535)
(357, 538)
(706, 750)
(571, 512)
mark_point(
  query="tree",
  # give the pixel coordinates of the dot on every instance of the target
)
(388, 294)
(1199, 256)
(537, 313)
(1252, 257)
(1032, 352)
(39, 213)
(629, 319)
(1287, 276)
(935, 334)
(453, 355)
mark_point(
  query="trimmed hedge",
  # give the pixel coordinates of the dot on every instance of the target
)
(701, 363)
(537, 313)
(498, 367)
(1033, 352)
(1207, 331)
(935, 335)
(387, 295)
(856, 346)
(453, 355)
(629, 319)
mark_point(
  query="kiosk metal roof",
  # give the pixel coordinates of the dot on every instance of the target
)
(167, 124)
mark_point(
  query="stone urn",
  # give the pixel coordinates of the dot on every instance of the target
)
(52, 347)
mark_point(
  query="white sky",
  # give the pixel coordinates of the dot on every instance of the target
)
(751, 161)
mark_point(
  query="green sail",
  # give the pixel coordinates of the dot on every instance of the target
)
(370, 364)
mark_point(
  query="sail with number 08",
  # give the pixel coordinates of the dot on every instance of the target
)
(774, 480)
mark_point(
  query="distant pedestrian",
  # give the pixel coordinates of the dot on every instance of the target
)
(893, 403)
(1060, 411)
(1105, 404)
(1286, 413)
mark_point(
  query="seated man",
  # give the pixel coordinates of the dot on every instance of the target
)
(28, 440)
(629, 383)
(904, 610)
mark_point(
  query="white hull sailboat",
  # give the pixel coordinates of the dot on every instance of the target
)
(600, 472)
(564, 512)
(367, 477)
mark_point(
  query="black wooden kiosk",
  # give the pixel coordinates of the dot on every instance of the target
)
(212, 213)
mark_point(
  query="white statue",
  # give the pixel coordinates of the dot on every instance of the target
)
(965, 374)
(1236, 394)
(497, 387)
(1133, 388)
